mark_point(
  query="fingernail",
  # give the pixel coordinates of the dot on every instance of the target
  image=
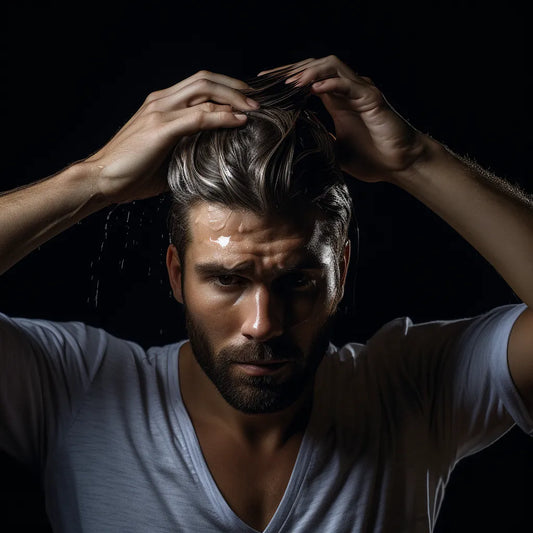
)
(252, 103)
(240, 116)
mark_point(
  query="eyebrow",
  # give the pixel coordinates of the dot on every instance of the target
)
(246, 267)
(219, 268)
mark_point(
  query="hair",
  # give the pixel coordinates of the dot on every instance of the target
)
(281, 161)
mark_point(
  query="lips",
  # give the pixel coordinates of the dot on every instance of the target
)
(262, 368)
(264, 362)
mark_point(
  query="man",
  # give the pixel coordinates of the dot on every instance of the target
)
(256, 423)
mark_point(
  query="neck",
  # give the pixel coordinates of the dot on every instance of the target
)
(206, 405)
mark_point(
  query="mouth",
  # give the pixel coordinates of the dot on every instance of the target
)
(262, 368)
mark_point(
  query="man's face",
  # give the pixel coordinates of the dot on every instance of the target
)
(259, 295)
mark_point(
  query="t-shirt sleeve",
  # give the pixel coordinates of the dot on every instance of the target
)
(45, 369)
(456, 376)
(482, 388)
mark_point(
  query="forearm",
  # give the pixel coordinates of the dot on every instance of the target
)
(131, 166)
(489, 213)
(31, 215)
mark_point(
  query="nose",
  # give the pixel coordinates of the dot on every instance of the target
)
(263, 316)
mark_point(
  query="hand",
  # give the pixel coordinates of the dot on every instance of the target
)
(132, 165)
(373, 142)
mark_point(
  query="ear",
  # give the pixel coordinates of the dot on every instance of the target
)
(174, 272)
(343, 267)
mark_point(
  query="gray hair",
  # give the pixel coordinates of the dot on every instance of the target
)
(280, 161)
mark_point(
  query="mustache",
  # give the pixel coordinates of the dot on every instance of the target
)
(254, 352)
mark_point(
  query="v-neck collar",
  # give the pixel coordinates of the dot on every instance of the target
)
(218, 502)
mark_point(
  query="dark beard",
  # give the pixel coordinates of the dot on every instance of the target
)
(258, 394)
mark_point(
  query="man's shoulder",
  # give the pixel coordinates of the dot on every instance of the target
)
(390, 337)
(75, 337)
(404, 339)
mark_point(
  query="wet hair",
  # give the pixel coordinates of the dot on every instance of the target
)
(282, 161)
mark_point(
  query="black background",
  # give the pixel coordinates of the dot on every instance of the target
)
(73, 73)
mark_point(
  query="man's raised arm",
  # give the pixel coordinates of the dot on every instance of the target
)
(129, 167)
(375, 144)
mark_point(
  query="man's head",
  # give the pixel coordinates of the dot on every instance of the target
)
(280, 161)
(259, 225)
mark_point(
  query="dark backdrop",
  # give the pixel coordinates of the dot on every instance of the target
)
(73, 73)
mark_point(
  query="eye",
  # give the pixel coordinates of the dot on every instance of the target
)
(297, 281)
(228, 280)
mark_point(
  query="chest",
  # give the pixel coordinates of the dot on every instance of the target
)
(138, 478)
(252, 483)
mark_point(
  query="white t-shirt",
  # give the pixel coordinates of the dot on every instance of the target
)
(104, 421)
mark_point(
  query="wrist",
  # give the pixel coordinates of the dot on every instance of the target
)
(432, 157)
(82, 180)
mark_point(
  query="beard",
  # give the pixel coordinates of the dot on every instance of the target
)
(258, 394)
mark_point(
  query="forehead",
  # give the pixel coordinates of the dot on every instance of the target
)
(218, 232)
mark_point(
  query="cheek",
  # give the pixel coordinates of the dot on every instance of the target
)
(303, 310)
(311, 312)
(213, 312)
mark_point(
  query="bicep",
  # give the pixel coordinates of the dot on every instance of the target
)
(520, 357)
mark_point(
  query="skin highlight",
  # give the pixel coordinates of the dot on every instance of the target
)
(217, 217)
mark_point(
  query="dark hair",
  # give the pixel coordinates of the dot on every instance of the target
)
(282, 159)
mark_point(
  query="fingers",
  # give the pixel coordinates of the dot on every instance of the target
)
(205, 116)
(289, 67)
(162, 129)
(202, 74)
(358, 95)
(203, 90)
(330, 77)
(318, 74)
(319, 69)
(204, 86)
